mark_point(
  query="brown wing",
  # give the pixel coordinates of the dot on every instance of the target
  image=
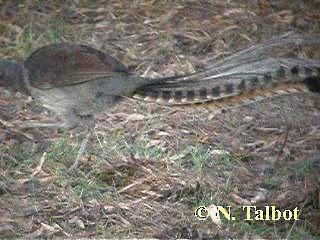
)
(66, 64)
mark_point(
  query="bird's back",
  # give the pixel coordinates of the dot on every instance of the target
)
(65, 64)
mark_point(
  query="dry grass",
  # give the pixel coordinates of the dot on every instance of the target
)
(157, 164)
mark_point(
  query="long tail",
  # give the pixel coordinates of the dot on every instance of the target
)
(258, 69)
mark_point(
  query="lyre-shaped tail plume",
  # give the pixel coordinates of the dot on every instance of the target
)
(268, 66)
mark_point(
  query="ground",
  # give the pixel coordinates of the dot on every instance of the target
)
(149, 167)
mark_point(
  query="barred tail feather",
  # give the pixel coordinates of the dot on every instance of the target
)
(254, 69)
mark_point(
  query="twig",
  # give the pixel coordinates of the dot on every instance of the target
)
(284, 143)
(39, 167)
(14, 129)
(294, 223)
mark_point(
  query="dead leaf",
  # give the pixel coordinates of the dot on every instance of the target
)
(135, 117)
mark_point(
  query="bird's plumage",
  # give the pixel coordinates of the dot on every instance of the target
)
(263, 66)
(65, 64)
(77, 81)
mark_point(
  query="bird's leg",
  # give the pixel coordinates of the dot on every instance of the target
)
(103, 151)
(104, 156)
(88, 122)
(71, 121)
(82, 149)
(98, 139)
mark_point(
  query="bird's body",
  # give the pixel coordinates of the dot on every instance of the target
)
(73, 81)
